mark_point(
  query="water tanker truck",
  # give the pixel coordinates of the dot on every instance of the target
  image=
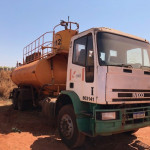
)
(96, 82)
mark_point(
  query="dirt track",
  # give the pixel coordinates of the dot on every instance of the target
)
(36, 134)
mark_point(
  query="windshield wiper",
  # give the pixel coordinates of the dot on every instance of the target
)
(121, 65)
(126, 65)
(145, 67)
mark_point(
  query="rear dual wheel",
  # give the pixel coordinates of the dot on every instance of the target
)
(21, 103)
(14, 99)
(15, 105)
(68, 129)
(18, 102)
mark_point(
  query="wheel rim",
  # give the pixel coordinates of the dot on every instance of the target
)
(66, 126)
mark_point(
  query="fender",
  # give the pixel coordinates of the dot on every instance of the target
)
(82, 111)
(78, 105)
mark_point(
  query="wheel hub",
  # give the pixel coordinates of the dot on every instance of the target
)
(66, 126)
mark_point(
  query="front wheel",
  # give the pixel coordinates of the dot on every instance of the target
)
(68, 129)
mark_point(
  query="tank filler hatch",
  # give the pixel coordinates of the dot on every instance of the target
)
(43, 47)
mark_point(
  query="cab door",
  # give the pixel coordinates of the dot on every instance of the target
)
(81, 71)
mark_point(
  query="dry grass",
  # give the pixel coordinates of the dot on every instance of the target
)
(6, 85)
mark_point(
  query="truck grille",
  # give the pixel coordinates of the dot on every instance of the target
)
(131, 95)
(129, 90)
(137, 99)
(129, 119)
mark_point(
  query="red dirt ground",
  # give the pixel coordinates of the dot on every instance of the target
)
(36, 134)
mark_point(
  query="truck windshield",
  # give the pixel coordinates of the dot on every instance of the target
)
(117, 50)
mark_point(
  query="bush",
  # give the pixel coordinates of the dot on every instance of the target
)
(6, 84)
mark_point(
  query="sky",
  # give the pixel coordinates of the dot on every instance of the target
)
(22, 21)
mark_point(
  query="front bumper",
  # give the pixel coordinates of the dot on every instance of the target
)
(124, 122)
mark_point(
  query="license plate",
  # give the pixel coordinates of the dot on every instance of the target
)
(138, 115)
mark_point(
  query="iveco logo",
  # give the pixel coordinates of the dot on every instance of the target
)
(138, 95)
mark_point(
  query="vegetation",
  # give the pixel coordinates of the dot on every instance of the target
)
(6, 84)
(6, 68)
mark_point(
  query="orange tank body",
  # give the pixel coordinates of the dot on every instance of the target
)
(47, 70)
(39, 73)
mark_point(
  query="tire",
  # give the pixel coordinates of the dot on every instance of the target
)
(70, 136)
(21, 105)
(14, 100)
(15, 103)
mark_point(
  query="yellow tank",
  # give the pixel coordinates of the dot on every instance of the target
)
(62, 40)
(41, 72)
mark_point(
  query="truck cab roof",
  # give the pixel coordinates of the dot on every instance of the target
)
(109, 30)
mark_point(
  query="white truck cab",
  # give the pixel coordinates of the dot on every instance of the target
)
(107, 66)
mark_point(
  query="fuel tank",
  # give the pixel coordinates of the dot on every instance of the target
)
(43, 71)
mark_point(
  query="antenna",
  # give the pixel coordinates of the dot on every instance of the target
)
(68, 18)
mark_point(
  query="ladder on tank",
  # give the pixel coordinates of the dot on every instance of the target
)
(42, 47)
(34, 51)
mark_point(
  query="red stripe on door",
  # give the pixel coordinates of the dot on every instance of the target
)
(70, 73)
(82, 74)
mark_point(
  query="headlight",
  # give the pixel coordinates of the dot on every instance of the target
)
(108, 115)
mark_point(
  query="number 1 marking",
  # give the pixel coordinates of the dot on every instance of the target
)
(92, 89)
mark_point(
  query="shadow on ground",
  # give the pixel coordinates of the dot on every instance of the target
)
(32, 121)
(26, 121)
(115, 142)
